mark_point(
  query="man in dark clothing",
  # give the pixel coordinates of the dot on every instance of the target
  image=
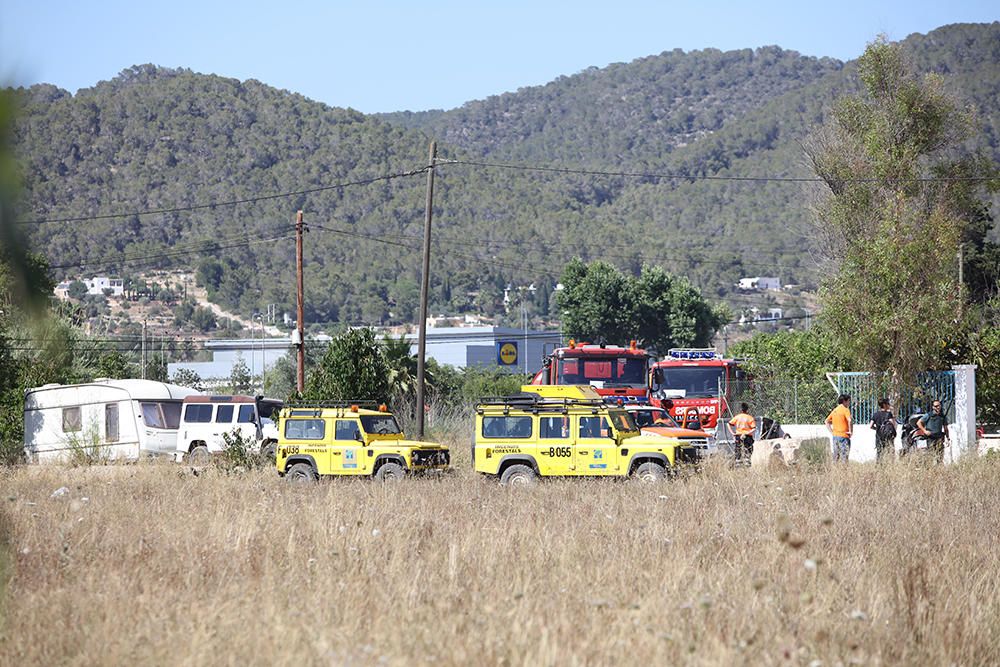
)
(934, 427)
(884, 424)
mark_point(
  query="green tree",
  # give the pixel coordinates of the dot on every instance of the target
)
(187, 378)
(402, 367)
(353, 367)
(240, 379)
(601, 304)
(114, 365)
(894, 304)
(76, 290)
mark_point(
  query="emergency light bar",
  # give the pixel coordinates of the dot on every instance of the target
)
(693, 353)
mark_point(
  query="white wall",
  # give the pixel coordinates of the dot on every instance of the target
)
(862, 442)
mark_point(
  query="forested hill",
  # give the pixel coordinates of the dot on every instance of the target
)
(153, 138)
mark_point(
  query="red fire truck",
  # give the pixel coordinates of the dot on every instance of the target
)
(687, 382)
(611, 370)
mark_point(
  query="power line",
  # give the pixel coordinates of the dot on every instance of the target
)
(705, 177)
(231, 202)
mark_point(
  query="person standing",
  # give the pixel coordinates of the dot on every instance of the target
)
(743, 426)
(840, 424)
(934, 427)
(884, 424)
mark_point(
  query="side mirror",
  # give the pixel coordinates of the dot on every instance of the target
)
(658, 376)
(358, 436)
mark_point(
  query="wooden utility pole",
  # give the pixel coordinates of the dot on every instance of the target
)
(424, 286)
(142, 353)
(300, 375)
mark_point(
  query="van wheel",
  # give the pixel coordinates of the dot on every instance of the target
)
(518, 475)
(269, 450)
(390, 472)
(301, 472)
(199, 456)
(650, 472)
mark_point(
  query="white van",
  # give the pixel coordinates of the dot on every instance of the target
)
(206, 418)
(103, 419)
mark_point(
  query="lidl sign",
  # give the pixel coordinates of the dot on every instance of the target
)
(507, 352)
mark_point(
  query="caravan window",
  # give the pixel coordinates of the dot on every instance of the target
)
(111, 422)
(171, 414)
(71, 420)
(164, 415)
(151, 415)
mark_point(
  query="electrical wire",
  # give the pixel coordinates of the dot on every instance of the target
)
(231, 202)
(703, 177)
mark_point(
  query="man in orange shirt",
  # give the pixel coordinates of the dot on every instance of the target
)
(743, 426)
(840, 424)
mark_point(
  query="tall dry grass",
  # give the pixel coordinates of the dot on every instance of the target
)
(895, 565)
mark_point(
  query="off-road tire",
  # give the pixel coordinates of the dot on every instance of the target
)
(390, 472)
(199, 456)
(650, 471)
(518, 475)
(301, 472)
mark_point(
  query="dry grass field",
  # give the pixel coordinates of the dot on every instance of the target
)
(151, 564)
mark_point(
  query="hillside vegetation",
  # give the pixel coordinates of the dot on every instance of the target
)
(155, 138)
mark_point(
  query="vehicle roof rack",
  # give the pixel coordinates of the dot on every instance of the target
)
(365, 403)
(536, 403)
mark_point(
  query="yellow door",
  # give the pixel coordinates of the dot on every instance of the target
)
(596, 448)
(555, 445)
(348, 448)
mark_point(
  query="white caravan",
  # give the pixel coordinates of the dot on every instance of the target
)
(103, 419)
(206, 419)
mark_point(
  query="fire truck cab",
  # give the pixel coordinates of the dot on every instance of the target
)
(614, 372)
(690, 379)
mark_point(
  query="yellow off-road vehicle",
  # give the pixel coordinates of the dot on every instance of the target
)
(557, 431)
(350, 438)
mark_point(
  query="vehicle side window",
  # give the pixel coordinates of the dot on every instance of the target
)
(347, 429)
(224, 414)
(305, 429)
(553, 427)
(248, 415)
(197, 413)
(506, 427)
(593, 427)
(71, 420)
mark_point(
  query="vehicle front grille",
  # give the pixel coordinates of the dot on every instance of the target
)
(430, 457)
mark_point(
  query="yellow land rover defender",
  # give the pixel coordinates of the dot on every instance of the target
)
(356, 438)
(567, 430)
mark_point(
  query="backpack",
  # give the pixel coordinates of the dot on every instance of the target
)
(887, 430)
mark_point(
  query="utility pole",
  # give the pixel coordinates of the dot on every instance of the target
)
(300, 375)
(424, 286)
(142, 354)
(961, 264)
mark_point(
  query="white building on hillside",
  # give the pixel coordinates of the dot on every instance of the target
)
(759, 283)
(95, 285)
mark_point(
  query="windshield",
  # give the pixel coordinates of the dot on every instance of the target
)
(380, 424)
(693, 381)
(611, 371)
(622, 421)
(654, 417)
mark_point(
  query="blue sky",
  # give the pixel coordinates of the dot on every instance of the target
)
(390, 56)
